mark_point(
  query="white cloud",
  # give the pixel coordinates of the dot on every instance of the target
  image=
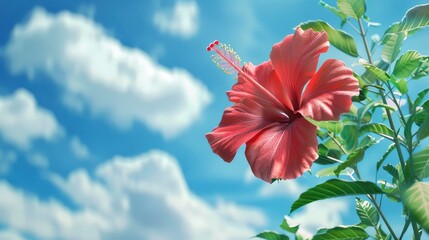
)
(38, 160)
(98, 73)
(22, 121)
(79, 149)
(181, 20)
(141, 197)
(7, 159)
(288, 188)
(10, 235)
(321, 214)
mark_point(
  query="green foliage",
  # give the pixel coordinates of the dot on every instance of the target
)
(407, 64)
(342, 232)
(392, 41)
(376, 72)
(416, 200)
(287, 226)
(367, 213)
(379, 129)
(269, 235)
(335, 10)
(334, 188)
(416, 18)
(388, 151)
(331, 171)
(421, 163)
(352, 8)
(338, 38)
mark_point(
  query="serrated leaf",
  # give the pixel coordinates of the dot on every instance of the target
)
(421, 163)
(407, 64)
(416, 200)
(352, 8)
(367, 213)
(330, 171)
(415, 18)
(338, 38)
(380, 129)
(269, 235)
(342, 232)
(376, 72)
(286, 225)
(334, 188)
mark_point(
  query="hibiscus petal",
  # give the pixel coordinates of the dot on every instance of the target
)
(295, 60)
(329, 92)
(266, 91)
(239, 124)
(283, 151)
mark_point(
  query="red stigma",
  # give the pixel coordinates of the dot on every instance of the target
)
(208, 49)
(216, 42)
(211, 45)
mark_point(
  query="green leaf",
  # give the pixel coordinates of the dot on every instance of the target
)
(331, 126)
(422, 70)
(286, 225)
(423, 131)
(330, 171)
(269, 235)
(392, 41)
(388, 151)
(392, 171)
(421, 163)
(338, 38)
(420, 96)
(416, 200)
(357, 155)
(379, 129)
(334, 188)
(352, 8)
(367, 213)
(400, 84)
(350, 136)
(342, 232)
(407, 64)
(415, 18)
(376, 72)
(336, 11)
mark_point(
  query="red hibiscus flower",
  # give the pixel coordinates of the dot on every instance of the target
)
(271, 101)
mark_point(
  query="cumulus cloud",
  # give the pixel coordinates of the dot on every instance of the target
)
(10, 235)
(140, 197)
(79, 149)
(181, 20)
(288, 188)
(99, 73)
(23, 121)
(38, 160)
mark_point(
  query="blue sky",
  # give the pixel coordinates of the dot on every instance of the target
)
(103, 110)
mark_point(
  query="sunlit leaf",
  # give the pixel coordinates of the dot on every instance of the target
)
(352, 8)
(422, 70)
(338, 38)
(376, 72)
(269, 235)
(407, 64)
(367, 213)
(379, 129)
(416, 200)
(334, 188)
(415, 18)
(420, 96)
(400, 84)
(330, 171)
(392, 41)
(421, 163)
(341, 232)
(336, 11)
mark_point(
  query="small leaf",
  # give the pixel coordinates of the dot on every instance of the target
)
(415, 18)
(379, 129)
(376, 72)
(330, 171)
(367, 213)
(336, 11)
(334, 188)
(269, 235)
(422, 70)
(352, 8)
(388, 151)
(407, 64)
(286, 225)
(392, 171)
(420, 96)
(416, 200)
(342, 232)
(421, 163)
(350, 136)
(338, 38)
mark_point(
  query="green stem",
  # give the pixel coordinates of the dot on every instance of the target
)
(383, 98)
(338, 143)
